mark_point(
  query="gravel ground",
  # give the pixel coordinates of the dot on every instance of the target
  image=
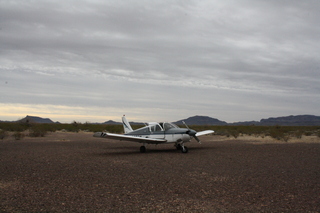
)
(74, 172)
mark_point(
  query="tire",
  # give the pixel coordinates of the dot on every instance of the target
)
(142, 149)
(184, 149)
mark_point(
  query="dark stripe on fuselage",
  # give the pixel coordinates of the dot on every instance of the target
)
(159, 133)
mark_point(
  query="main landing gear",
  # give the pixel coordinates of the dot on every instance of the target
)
(179, 146)
(143, 149)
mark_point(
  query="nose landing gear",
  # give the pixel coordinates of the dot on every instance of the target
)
(182, 147)
(143, 149)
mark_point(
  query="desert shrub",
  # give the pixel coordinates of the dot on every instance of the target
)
(94, 127)
(222, 132)
(18, 135)
(13, 126)
(275, 134)
(308, 133)
(298, 133)
(235, 133)
(49, 127)
(285, 137)
(279, 133)
(116, 128)
(74, 127)
(37, 131)
(280, 136)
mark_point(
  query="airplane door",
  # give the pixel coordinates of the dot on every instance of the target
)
(157, 132)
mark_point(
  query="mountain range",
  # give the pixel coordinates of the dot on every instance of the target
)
(297, 120)
(35, 119)
(292, 120)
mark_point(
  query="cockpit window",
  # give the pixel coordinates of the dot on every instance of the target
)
(167, 126)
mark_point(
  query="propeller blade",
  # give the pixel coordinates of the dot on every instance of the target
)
(197, 139)
(185, 125)
(192, 133)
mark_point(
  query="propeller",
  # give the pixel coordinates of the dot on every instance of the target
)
(192, 133)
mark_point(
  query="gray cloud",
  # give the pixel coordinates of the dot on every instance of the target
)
(163, 59)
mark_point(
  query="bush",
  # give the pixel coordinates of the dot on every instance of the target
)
(308, 133)
(298, 134)
(13, 126)
(235, 133)
(37, 131)
(279, 133)
(18, 135)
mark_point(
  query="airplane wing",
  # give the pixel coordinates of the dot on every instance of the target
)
(204, 132)
(129, 138)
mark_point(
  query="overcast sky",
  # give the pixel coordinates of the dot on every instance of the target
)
(159, 60)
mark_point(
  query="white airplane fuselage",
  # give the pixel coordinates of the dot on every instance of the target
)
(163, 131)
(173, 135)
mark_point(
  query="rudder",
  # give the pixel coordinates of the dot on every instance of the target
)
(126, 125)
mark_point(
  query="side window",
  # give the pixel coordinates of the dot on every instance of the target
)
(158, 128)
(144, 130)
(167, 126)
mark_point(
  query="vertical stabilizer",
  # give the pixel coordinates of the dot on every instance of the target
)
(126, 126)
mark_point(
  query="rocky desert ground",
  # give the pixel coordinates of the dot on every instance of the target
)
(74, 172)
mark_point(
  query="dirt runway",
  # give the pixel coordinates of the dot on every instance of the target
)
(74, 172)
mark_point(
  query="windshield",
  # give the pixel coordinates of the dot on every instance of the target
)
(167, 126)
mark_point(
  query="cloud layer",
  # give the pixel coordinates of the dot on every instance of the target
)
(159, 60)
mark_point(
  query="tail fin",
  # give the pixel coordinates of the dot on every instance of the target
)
(126, 126)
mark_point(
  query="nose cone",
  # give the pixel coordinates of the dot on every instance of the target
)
(191, 132)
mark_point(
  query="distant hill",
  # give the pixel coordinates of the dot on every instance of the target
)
(201, 120)
(111, 122)
(195, 120)
(35, 119)
(292, 120)
(245, 123)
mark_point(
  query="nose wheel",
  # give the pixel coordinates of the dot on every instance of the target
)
(182, 148)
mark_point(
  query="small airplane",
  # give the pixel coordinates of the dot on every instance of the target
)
(156, 133)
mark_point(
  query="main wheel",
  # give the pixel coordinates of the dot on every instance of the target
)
(184, 149)
(142, 149)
